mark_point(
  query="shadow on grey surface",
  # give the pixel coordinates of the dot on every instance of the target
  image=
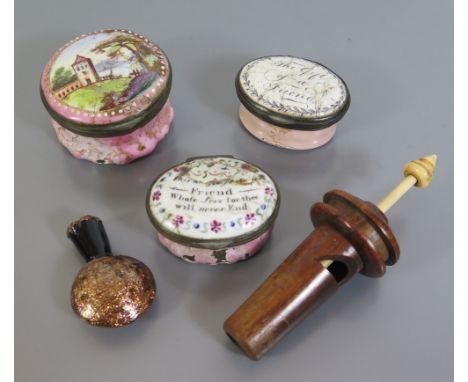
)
(367, 79)
(173, 278)
(69, 263)
(65, 271)
(217, 75)
(136, 221)
(349, 304)
(27, 80)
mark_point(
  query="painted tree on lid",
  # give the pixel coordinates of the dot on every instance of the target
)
(122, 45)
(62, 77)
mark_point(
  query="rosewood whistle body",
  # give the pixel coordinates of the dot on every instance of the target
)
(351, 236)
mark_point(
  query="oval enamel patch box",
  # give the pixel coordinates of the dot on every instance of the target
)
(213, 210)
(107, 94)
(291, 102)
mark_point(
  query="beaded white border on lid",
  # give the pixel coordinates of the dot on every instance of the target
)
(139, 103)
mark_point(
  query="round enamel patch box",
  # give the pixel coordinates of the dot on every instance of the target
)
(291, 102)
(107, 93)
(213, 210)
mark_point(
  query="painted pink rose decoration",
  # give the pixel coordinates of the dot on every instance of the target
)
(178, 220)
(250, 219)
(156, 195)
(216, 226)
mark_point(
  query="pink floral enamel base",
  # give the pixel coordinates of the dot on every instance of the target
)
(228, 255)
(120, 149)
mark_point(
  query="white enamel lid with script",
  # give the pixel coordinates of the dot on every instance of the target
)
(213, 200)
(292, 92)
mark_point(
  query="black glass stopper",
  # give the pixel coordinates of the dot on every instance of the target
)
(90, 238)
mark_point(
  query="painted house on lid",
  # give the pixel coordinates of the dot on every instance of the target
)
(85, 70)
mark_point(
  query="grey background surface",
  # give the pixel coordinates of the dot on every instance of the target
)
(396, 57)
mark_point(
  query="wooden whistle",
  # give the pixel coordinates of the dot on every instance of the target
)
(350, 236)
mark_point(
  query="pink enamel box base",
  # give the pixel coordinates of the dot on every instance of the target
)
(285, 138)
(119, 149)
(212, 257)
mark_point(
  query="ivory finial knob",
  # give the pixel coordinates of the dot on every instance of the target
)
(417, 173)
(422, 169)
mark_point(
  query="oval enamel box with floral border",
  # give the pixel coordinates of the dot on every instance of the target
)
(107, 94)
(213, 210)
(291, 102)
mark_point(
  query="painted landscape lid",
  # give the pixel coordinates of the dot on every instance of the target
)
(106, 83)
(292, 92)
(213, 202)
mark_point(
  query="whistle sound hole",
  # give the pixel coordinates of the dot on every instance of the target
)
(338, 270)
